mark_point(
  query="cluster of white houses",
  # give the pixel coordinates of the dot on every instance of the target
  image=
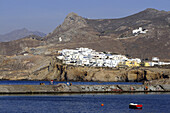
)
(155, 61)
(89, 57)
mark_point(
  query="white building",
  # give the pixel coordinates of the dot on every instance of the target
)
(155, 59)
(140, 30)
(135, 60)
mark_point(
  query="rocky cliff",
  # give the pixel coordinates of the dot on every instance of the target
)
(31, 67)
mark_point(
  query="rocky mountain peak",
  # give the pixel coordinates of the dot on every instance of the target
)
(72, 14)
(154, 12)
(151, 10)
(72, 23)
(73, 20)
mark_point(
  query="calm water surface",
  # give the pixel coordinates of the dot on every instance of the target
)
(78, 103)
(6, 82)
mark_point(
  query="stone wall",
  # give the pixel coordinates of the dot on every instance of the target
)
(63, 88)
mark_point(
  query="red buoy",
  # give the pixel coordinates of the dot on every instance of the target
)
(102, 104)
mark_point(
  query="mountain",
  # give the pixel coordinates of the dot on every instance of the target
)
(108, 35)
(20, 33)
(116, 35)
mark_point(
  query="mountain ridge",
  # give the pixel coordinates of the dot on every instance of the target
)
(114, 35)
(78, 29)
(18, 34)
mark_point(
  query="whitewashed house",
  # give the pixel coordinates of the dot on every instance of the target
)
(138, 31)
(60, 57)
(155, 59)
(135, 60)
(99, 62)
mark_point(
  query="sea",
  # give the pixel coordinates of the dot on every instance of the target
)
(82, 103)
(6, 82)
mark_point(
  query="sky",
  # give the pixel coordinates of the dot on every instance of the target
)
(46, 15)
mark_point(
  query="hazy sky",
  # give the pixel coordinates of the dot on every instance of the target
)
(46, 15)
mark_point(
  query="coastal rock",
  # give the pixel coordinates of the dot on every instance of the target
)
(153, 75)
(31, 67)
(135, 75)
(61, 87)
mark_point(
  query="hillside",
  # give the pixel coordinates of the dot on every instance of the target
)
(18, 46)
(115, 35)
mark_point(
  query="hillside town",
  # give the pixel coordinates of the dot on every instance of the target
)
(89, 57)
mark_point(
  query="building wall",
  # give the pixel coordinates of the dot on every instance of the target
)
(147, 64)
(132, 64)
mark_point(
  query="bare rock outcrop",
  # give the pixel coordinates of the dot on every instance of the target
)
(70, 30)
(36, 67)
(62, 72)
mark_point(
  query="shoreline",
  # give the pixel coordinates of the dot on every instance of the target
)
(62, 88)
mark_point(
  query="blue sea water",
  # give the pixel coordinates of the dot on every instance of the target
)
(90, 103)
(82, 103)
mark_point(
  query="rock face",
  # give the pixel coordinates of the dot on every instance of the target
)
(62, 72)
(72, 30)
(37, 67)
